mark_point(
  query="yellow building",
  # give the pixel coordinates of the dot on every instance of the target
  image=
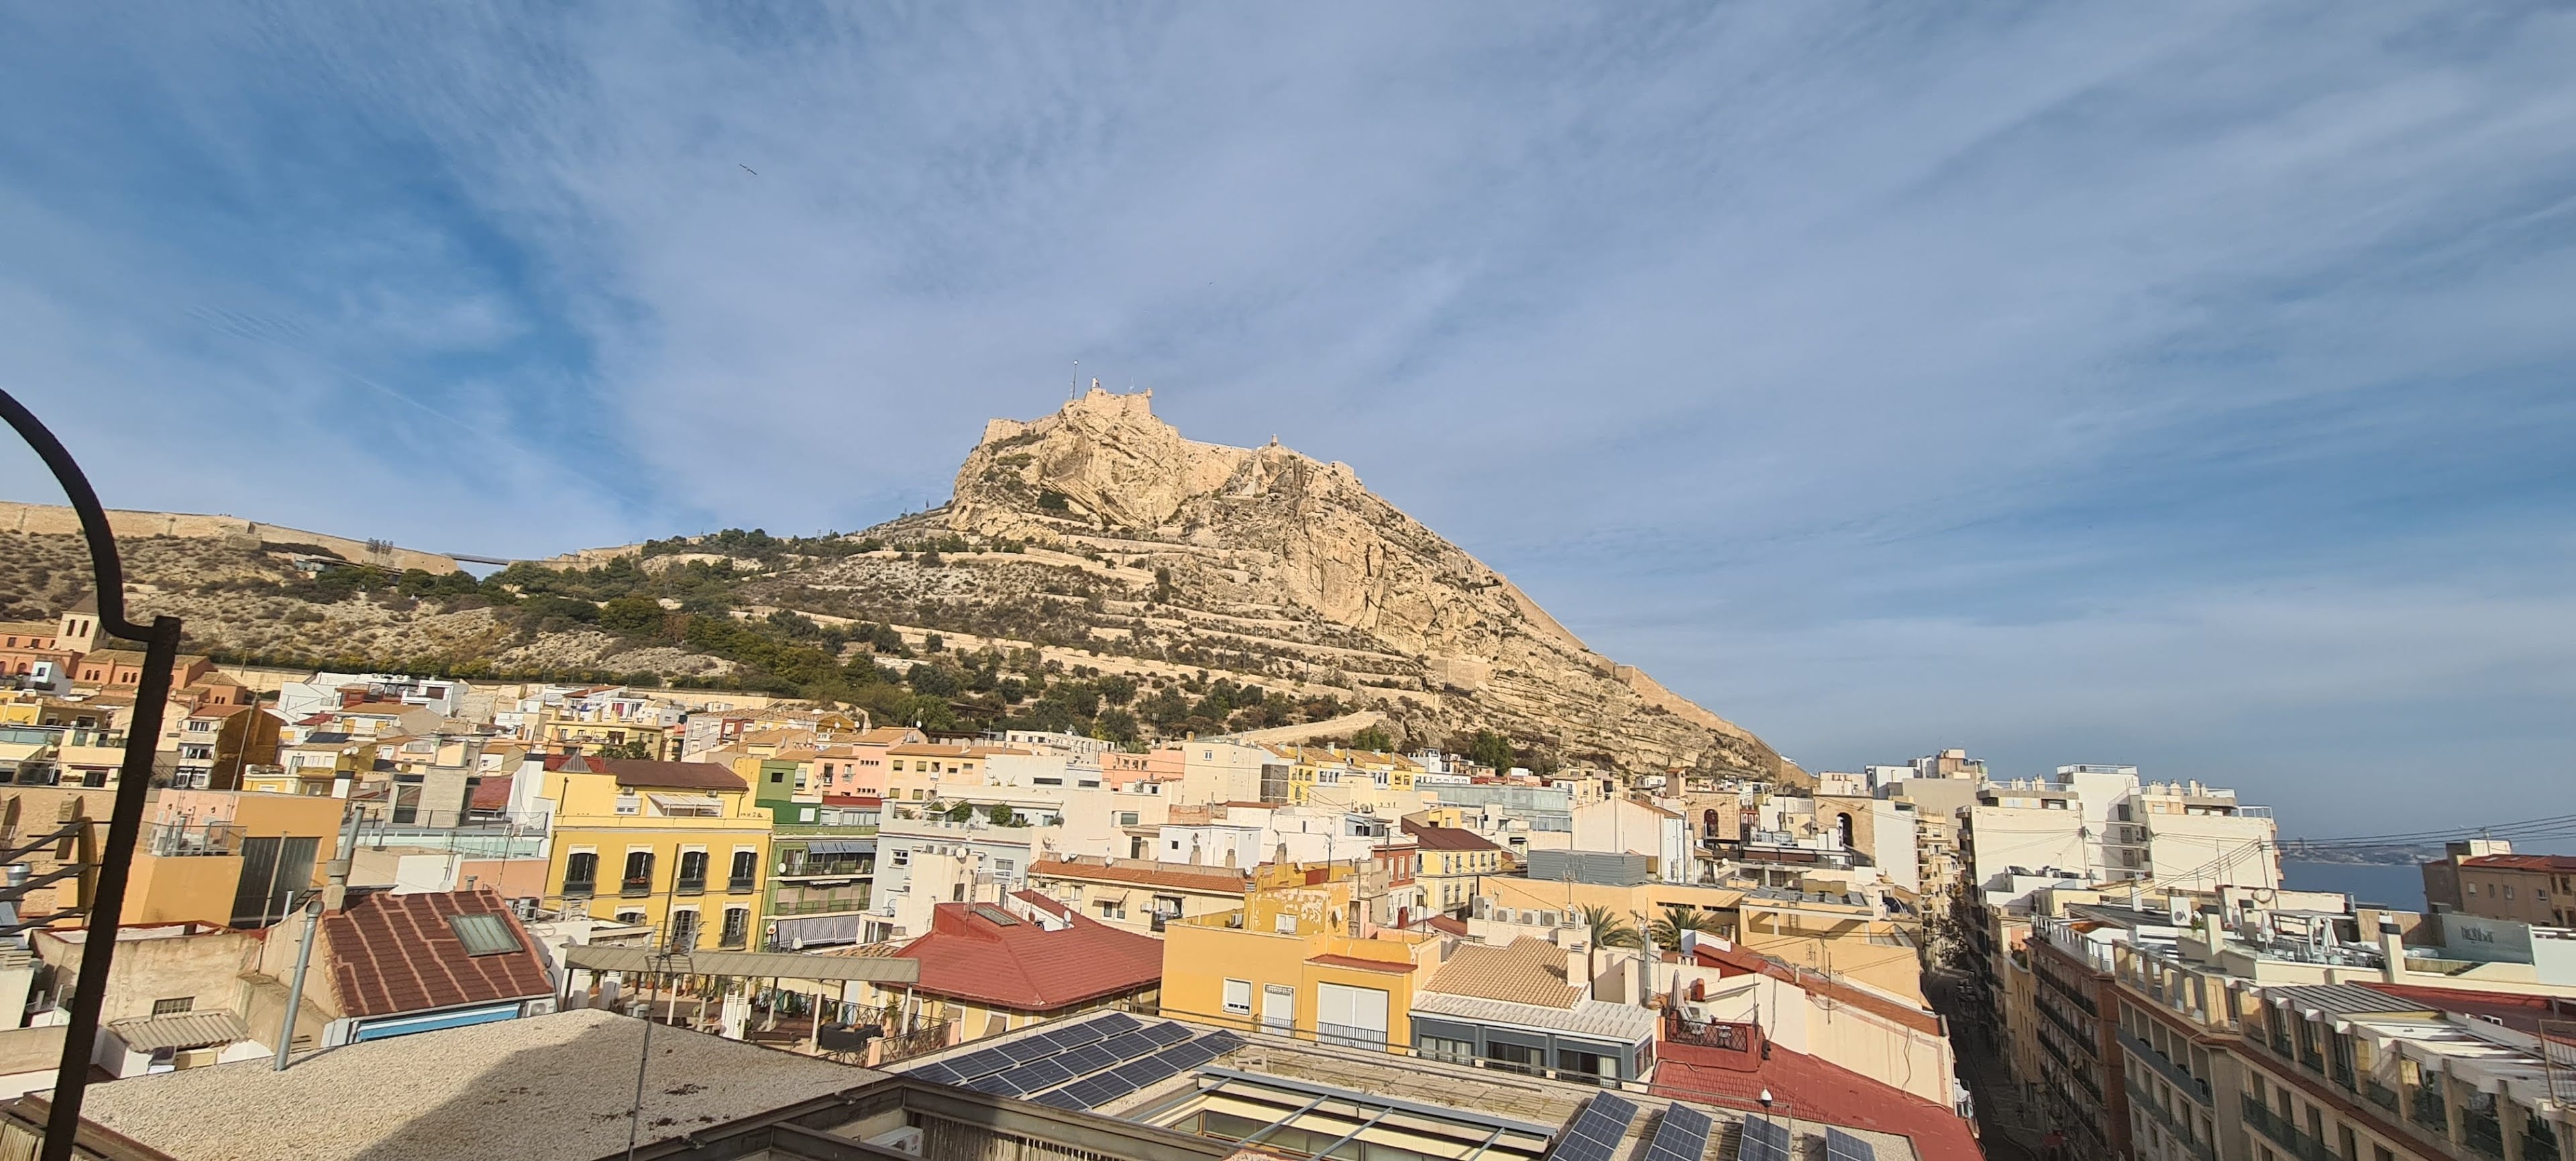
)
(1346, 777)
(678, 846)
(571, 730)
(1300, 959)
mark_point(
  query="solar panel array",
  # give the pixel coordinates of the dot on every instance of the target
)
(1595, 1135)
(1764, 1140)
(1084, 1065)
(1842, 1146)
(1682, 1135)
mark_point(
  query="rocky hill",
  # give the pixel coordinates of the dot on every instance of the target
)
(1094, 570)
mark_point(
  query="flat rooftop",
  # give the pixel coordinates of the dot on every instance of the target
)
(540, 1088)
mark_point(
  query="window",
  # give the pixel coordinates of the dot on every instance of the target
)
(1109, 910)
(693, 873)
(2508, 892)
(737, 926)
(628, 804)
(1238, 997)
(639, 873)
(175, 1006)
(581, 873)
(1284, 924)
(1126, 818)
(746, 871)
(903, 856)
(484, 934)
(1453, 1051)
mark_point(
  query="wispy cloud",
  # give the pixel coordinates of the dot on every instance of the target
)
(1792, 352)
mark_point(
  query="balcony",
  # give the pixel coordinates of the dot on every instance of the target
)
(2174, 1074)
(742, 884)
(2427, 1112)
(2379, 1094)
(172, 840)
(2260, 1118)
(2177, 1128)
(689, 885)
(636, 888)
(580, 888)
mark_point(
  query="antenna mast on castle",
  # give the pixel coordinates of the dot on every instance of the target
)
(1074, 388)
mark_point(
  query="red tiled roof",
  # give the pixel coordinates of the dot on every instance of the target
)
(491, 794)
(1366, 965)
(1448, 838)
(1178, 876)
(1447, 925)
(1812, 1090)
(1040, 901)
(397, 953)
(2550, 863)
(1023, 966)
(650, 774)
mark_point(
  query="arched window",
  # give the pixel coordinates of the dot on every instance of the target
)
(1843, 827)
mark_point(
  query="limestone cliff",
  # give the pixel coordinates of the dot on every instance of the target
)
(1295, 558)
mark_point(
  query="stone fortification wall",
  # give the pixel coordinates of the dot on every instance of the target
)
(60, 520)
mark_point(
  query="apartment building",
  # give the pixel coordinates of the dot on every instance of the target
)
(677, 846)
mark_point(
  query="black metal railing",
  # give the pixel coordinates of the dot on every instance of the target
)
(690, 885)
(2261, 1118)
(2427, 1111)
(106, 901)
(742, 884)
(2179, 1128)
(636, 887)
(580, 888)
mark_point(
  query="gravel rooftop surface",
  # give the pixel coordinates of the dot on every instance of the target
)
(542, 1088)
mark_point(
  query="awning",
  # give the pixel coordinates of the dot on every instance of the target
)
(670, 802)
(433, 1021)
(180, 1030)
(817, 930)
(840, 846)
(779, 965)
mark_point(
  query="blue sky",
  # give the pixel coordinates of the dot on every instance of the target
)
(2185, 385)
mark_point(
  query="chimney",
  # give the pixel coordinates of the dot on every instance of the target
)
(2392, 951)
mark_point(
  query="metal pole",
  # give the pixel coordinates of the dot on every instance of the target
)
(295, 987)
(106, 903)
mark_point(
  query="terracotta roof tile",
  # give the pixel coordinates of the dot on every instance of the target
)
(398, 953)
(1448, 838)
(1176, 875)
(1021, 965)
(1528, 971)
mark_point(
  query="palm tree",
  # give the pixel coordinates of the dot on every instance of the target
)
(1606, 928)
(1677, 918)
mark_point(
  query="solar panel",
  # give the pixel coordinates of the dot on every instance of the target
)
(1595, 1135)
(1038, 1076)
(1150, 1070)
(996, 1084)
(1842, 1146)
(1190, 1055)
(1764, 1140)
(1131, 1045)
(935, 1074)
(1092, 1092)
(1087, 1058)
(1166, 1035)
(1681, 1136)
(1115, 1023)
(1087, 1032)
(985, 1063)
(1024, 1051)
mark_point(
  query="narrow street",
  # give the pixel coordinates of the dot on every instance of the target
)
(2006, 1126)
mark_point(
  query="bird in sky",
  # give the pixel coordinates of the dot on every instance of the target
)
(748, 169)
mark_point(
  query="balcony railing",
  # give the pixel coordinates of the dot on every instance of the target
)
(2379, 1094)
(2173, 1073)
(689, 885)
(636, 888)
(742, 884)
(2426, 1109)
(172, 840)
(2262, 1119)
(580, 888)
(2178, 1128)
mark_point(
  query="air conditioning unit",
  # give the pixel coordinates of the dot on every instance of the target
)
(903, 1140)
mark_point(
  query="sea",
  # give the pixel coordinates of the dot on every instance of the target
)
(2400, 886)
